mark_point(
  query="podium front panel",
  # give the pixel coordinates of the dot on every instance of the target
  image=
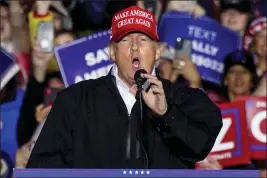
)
(44, 173)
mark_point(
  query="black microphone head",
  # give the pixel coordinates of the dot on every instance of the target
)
(137, 77)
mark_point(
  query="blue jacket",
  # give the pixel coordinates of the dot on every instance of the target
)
(9, 116)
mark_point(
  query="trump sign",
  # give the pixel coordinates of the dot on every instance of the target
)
(231, 146)
(256, 118)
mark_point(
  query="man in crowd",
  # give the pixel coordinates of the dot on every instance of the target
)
(236, 14)
(93, 124)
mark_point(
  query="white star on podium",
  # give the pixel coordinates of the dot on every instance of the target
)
(130, 172)
(147, 172)
(124, 172)
(136, 172)
(142, 172)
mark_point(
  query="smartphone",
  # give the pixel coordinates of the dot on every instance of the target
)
(45, 36)
(183, 48)
(50, 95)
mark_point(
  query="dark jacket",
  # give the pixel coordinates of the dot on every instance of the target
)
(27, 123)
(34, 95)
(89, 127)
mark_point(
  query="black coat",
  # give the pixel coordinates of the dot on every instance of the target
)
(89, 127)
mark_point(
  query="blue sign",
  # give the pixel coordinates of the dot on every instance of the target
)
(8, 127)
(8, 67)
(85, 58)
(19, 173)
(210, 41)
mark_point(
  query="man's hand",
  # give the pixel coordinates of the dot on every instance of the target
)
(41, 112)
(210, 164)
(40, 61)
(155, 98)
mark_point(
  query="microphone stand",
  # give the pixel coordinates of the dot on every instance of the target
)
(140, 134)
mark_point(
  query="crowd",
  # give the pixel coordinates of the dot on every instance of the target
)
(22, 99)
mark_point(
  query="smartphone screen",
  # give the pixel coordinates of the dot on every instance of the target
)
(45, 36)
(50, 95)
(183, 48)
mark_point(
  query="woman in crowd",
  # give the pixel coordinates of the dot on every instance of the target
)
(33, 111)
(39, 80)
(239, 79)
(255, 41)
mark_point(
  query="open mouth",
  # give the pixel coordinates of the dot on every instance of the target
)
(136, 64)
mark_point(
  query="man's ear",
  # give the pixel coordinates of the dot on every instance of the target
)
(160, 47)
(111, 51)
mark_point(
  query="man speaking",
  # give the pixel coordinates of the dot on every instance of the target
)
(96, 123)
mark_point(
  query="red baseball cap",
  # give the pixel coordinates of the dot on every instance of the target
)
(133, 19)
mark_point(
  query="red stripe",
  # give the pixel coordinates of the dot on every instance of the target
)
(35, 14)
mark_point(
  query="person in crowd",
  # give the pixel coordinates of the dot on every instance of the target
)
(212, 8)
(255, 41)
(49, 11)
(191, 7)
(10, 100)
(171, 68)
(239, 79)
(41, 78)
(14, 38)
(79, 115)
(184, 72)
(12, 93)
(236, 15)
(164, 64)
(155, 6)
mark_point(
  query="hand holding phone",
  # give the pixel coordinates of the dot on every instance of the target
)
(183, 48)
(45, 36)
(50, 95)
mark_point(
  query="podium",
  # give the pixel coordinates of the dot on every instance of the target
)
(67, 173)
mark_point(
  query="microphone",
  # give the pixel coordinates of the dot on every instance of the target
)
(138, 79)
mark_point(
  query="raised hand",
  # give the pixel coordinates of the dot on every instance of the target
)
(40, 61)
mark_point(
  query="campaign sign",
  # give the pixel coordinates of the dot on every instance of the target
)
(231, 147)
(85, 58)
(256, 118)
(210, 41)
(8, 67)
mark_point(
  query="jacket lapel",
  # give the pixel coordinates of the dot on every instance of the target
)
(112, 87)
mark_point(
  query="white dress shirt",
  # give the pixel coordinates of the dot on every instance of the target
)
(124, 90)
